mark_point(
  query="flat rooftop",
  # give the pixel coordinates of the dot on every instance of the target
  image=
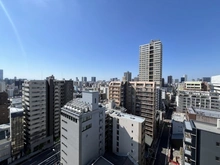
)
(4, 126)
(178, 116)
(204, 112)
(15, 110)
(207, 127)
(119, 114)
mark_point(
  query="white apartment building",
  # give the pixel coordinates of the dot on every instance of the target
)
(128, 135)
(215, 81)
(35, 115)
(195, 85)
(82, 130)
(150, 62)
(197, 99)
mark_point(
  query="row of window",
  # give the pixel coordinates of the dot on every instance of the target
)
(86, 118)
(86, 127)
(69, 117)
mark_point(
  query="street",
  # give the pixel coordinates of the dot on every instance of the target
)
(163, 145)
(49, 157)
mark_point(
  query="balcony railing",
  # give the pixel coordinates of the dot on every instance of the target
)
(187, 151)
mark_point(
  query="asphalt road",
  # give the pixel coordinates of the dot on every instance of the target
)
(163, 146)
(49, 156)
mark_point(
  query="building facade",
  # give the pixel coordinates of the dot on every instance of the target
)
(169, 80)
(197, 99)
(82, 130)
(127, 134)
(117, 92)
(5, 144)
(4, 112)
(34, 103)
(201, 143)
(127, 76)
(59, 92)
(215, 81)
(150, 62)
(93, 79)
(140, 101)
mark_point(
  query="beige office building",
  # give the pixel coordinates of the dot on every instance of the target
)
(150, 62)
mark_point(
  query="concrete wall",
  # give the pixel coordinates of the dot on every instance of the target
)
(208, 149)
(70, 146)
(91, 98)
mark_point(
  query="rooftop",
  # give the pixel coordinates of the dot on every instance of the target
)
(15, 110)
(204, 112)
(179, 116)
(119, 114)
(4, 126)
(207, 127)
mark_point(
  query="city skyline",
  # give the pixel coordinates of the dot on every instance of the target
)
(71, 43)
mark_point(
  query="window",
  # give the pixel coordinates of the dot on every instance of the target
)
(64, 137)
(217, 158)
(131, 138)
(217, 143)
(117, 132)
(131, 131)
(117, 126)
(64, 152)
(117, 120)
(117, 137)
(86, 127)
(64, 144)
(64, 129)
(117, 143)
(117, 149)
(131, 151)
(131, 144)
(132, 125)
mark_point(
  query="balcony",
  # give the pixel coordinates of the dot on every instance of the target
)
(188, 151)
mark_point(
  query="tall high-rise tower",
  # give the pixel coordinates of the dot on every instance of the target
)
(150, 62)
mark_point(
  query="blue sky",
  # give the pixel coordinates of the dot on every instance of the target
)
(75, 38)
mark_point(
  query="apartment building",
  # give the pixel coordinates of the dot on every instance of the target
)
(34, 103)
(5, 144)
(140, 101)
(82, 130)
(150, 62)
(4, 112)
(17, 132)
(117, 92)
(197, 99)
(196, 85)
(127, 76)
(202, 137)
(59, 92)
(126, 134)
(215, 81)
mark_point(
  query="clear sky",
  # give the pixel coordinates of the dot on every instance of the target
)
(75, 38)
